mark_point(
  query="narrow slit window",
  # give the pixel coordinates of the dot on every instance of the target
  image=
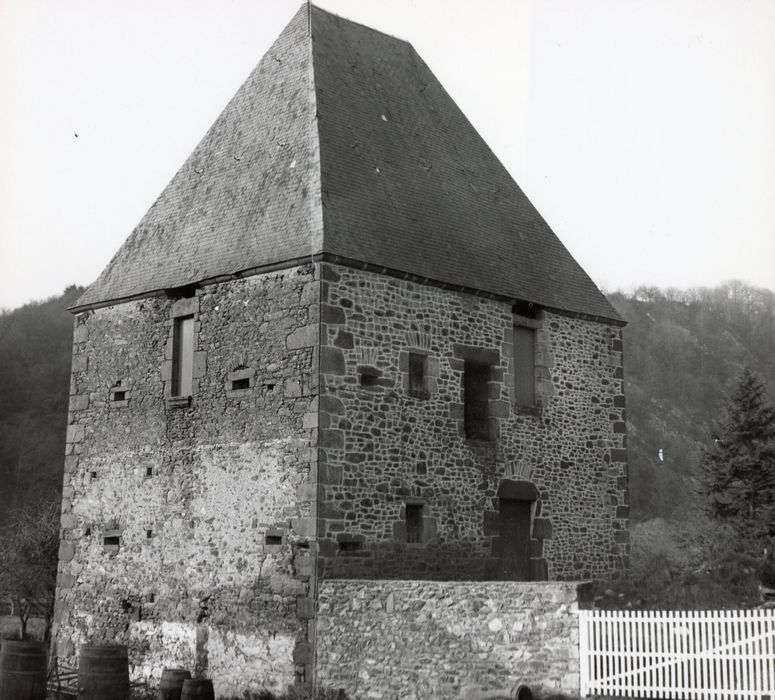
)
(524, 366)
(111, 540)
(369, 376)
(119, 395)
(273, 539)
(237, 384)
(414, 523)
(476, 400)
(183, 356)
(417, 371)
(350, 546)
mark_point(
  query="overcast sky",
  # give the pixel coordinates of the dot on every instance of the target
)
(641, 129)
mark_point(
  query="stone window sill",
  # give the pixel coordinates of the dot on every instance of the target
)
(480, 442)
(528, 410)
(421, 395)
(173, 402)
(238, 393)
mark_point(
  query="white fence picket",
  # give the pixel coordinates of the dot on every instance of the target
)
(701, 655)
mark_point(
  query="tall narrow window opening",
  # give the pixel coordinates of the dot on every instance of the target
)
(524, 366)
(417, 371)
(413, 522)
(183, 356)
(475, 396)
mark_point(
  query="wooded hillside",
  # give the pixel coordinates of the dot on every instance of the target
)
(684, 354)
(35, 347)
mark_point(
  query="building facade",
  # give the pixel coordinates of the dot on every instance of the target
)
(324, 354)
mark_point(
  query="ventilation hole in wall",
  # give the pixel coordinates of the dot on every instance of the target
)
(149, 471)
(149, 534)
(369, 380)
(93, 475)
(119, 396)
(350, 546)
(270, 387)
(237, 384)
(111, 540)
(273, 539)
(302, 545)
(151, 597)
(87, 532)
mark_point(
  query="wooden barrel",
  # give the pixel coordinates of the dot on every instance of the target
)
(22, 670)
(103, 672)
(171, 685)
(197, 689)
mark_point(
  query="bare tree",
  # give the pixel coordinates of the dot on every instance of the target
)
(29, 543)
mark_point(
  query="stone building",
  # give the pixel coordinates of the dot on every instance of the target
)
(341, 344)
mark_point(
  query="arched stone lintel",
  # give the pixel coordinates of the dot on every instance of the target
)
(518, 490)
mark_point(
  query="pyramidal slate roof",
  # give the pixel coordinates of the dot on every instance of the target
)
(342, 144)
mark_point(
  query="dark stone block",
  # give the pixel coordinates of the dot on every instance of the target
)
(344, 340)
(618, 455)
(517, 490)
(619, 401)
(305, 608)
(329, 274)
(331, 438)
(329, 474)
(329, 510)
(623, 512)
(617, 345)
(622, 537)
(302, 653)
(500, 409)
(619, 373)
(330, 404)
(456, 365)
(483, 356)
(350, 537)
(456, 411)
(536, 549)
(332, 314)
(331, 361)
(620, 427)
(542, 528)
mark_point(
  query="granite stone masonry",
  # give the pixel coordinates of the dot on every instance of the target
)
(423, 639)
(186, 523)
(384, 450)
(344, 412)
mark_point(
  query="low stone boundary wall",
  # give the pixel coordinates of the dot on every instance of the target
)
(428, 639)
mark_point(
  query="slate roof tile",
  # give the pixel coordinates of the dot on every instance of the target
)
(345, 143)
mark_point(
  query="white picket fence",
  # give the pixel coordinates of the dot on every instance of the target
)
(727, 654)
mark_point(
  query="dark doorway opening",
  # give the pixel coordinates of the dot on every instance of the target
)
(514, 562)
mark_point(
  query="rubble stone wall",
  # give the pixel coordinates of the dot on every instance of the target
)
(425, 639)
(383, 449)
(188, 525)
